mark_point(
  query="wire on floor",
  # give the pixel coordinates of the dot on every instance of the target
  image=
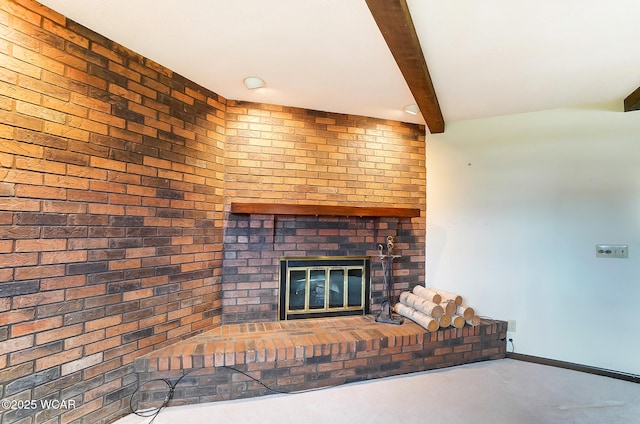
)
(170, 390)
(154, 411)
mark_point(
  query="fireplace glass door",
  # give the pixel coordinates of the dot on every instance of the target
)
(325, 286)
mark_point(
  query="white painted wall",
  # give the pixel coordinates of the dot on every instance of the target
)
(515, 207)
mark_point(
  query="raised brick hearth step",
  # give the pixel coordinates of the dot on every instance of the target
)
(304, 354)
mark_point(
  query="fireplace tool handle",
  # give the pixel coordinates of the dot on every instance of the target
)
(386, 314)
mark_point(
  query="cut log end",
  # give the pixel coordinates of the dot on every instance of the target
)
(457, 321)
(466, 311)
(433, 325)
(445, 320)
(449, 307)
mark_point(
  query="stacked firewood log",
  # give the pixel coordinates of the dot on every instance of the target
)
(434, 308)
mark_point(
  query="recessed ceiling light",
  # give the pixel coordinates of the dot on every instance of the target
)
(412, 109)
(253, 82)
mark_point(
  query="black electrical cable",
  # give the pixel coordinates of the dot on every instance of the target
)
(486, 317)
(153, 412)
(292, 392)
(261, 383)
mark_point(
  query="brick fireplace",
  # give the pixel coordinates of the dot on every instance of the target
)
(121, 246)
(320, 162)
(253, 353)
(254, 244)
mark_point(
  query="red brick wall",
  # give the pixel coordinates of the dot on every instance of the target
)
(291, 155)
(110, 212)
(115, 174)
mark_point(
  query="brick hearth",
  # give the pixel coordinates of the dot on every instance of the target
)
(304, 354)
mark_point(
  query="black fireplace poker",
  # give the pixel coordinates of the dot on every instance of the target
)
(386, 313)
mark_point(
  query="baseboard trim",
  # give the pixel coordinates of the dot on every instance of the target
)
(575, 367)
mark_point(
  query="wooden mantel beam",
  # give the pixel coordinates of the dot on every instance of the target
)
(395, 23)
(632, 102)
(325, 210)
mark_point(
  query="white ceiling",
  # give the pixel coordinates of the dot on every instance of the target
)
(486, 58)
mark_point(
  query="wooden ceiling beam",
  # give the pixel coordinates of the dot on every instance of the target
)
(632, 102)
(395, 23)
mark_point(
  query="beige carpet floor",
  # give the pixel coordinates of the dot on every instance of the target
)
(496, 392)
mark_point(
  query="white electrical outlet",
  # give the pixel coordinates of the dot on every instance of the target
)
(612, 250)
(511, 326)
